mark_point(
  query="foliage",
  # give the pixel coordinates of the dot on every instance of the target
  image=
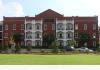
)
(55, 47)
(84, 37)
(48, 38)
(17, 49)
(4, 48)
(71, 42)
(29, 48)
(17, 37)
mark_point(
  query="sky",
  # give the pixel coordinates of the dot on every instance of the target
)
(66, 7)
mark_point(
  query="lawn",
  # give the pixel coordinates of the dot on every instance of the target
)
(27, 59)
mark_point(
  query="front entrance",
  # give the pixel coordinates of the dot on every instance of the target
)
(48, 32)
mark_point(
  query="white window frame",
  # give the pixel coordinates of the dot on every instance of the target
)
(6, 26)
(53, 26)
(94, 43)
(38, 26)
(28, 26)
(94, 26)
(76, 35)
(22, 27)
(76, 26)
(60, 26)
(14, 26)
(85, 26)
(5, 35)
(69, 26)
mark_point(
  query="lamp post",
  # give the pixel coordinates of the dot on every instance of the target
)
(94, 37)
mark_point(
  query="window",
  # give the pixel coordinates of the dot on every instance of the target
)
(53, 26)
(76, 26)
(69, 26)
(28, 26)
(85, 26)
(37, 35)
(14, 26)
(69, 35)
(29, 43)
(38, 26)
(94, 26)
(76, 35)
(22, 26)
(60, 34)
(6, 35)
(0, 27)
(94, 43)
(45, 27)
(6, 27)
(38, 43)
(29, 35)
(60, 26)
(0, 35)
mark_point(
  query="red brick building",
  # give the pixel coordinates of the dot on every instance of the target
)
(12, 25)
(49, 22)
(87, 25)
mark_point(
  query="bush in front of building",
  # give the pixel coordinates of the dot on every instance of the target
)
(17, 49)
(55, 47)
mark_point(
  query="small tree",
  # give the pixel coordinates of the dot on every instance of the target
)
(55, 46)
(17, 39)
(84, 37)
(48, 39)
(71, 42)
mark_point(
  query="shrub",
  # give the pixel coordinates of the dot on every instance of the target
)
(23, 47)
(17, 49)
(29, 48)
(55, 47)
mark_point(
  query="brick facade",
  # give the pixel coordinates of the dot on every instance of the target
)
(49, 22)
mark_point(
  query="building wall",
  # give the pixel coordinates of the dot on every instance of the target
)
(1, 33)
(11, 26)
(33, 40)
(90, 22)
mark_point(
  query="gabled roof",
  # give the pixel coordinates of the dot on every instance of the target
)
(49, 14)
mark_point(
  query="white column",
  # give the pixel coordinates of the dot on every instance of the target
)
(25, 32)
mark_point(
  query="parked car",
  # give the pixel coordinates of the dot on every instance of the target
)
(84, 49)
(69, 48)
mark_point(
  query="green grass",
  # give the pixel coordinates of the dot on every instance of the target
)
(26, 59)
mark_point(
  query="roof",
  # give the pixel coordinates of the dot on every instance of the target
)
(49, 14)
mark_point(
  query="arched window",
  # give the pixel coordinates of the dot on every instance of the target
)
(29, 35)
(69, 26)
(60, 26)
(37, 34)
(28, 26)
(37, 26)
(60, 35)
(29, 43)
(69, 35)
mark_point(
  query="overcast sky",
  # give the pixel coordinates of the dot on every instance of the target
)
(66, 7)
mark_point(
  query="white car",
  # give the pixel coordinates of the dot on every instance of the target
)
(84, 49)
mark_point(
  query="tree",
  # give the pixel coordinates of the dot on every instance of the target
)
(71, 42)
(55, 46)
(17, 37)
(84, 37)
(48, 39)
